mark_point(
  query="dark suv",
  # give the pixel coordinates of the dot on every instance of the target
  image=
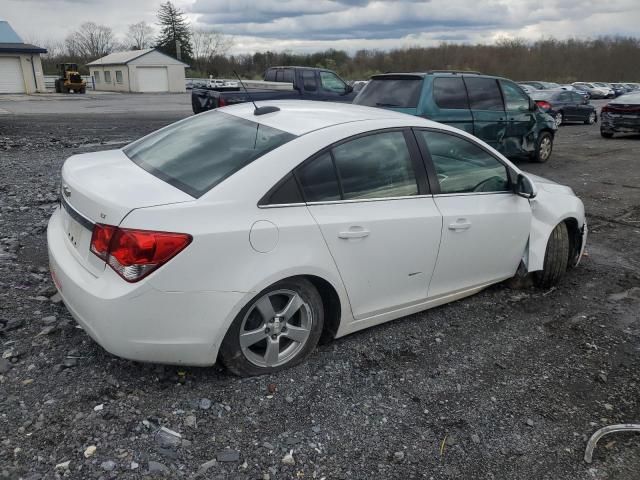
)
(493, 109)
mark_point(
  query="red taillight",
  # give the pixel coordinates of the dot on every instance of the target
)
(543, 105)
(605, 109)
(134, 254)
(222, 102)
(101, 239)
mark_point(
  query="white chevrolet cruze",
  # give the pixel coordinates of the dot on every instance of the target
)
(247, 235)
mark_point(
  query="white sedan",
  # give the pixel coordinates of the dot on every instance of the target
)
(247, 235)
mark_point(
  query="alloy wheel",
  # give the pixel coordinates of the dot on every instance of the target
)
(545, 148)
(558, 119)
(276, 328)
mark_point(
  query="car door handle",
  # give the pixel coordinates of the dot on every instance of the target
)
(460, 225)
(354, 234)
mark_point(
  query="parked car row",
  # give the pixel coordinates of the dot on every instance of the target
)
(565, 106)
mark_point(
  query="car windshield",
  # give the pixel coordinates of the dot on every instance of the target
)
(196, 154)
(391, 92)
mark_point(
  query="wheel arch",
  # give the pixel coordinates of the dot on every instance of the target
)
(337, 310)
(545, 218)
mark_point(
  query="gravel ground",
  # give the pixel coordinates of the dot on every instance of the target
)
(508, 384)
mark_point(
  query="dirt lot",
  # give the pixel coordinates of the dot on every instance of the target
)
(508, 384)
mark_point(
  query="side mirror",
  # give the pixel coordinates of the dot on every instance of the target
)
(348, 89)
(524, 187)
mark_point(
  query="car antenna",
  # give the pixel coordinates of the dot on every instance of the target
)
(258, 110)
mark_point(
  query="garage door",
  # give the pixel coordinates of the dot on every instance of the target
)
(153, 79)
(11, 75)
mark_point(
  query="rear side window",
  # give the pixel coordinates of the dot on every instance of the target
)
(375, 166)
(450, 92)
(318, 179)
(391, 92)
(576, 97)
(309, 81)
(288, 75)
(484, 94)
(198, 153)
(270, 76)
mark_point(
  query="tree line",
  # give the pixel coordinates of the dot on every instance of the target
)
(607, 59)
(207, 53)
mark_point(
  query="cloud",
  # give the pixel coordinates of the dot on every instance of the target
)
(346, 24)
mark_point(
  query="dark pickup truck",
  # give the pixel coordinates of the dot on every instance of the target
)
(298, 83)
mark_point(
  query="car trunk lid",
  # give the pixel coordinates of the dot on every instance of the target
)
(103, 187)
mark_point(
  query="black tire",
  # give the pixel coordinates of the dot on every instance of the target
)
(231, 353)
(591, 119)
(83, 90)
(606, 134)
(556, 258)
(541, 153)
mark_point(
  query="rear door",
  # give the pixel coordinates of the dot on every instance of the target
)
(485, 225)
(521, 120)
(368, 196)
(451, 104)
(487, 110)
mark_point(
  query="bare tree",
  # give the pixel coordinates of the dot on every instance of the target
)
(140, 36)
(207, 45)
(91, 41)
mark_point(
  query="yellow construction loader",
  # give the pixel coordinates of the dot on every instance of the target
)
(70, 80)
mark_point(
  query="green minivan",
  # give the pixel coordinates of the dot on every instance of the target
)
(493, 109)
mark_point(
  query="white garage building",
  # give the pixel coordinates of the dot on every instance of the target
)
(20, 65)
(146, 70)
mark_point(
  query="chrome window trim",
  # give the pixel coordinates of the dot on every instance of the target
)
(381, 199)
(466, 194)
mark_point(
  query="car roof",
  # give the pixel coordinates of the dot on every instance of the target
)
(303, 116)
(420, 75)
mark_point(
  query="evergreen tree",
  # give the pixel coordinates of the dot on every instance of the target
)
(173, 27)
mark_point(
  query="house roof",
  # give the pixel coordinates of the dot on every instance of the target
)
(20, 48)
(122, 58)
(10, 41)
(8, 34)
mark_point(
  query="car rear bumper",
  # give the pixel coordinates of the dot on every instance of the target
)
(136, 321)
(620, 123)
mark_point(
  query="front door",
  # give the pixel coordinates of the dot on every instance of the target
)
(485, 226)
(487, 110)
(521, 120)
(368, 196)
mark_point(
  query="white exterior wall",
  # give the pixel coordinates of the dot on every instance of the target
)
(31, 84)
(112, 86)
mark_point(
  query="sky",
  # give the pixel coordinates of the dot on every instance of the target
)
(311, 25)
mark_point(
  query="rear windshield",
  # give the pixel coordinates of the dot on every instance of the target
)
(543, 95)
(198, 153)
(401, 93)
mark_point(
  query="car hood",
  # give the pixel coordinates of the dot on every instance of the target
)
(549, 185)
